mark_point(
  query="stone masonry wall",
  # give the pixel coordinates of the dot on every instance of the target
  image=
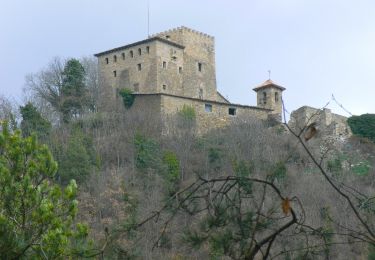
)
(327, 122)
(127, 71)
(199, 49)
(218, 117)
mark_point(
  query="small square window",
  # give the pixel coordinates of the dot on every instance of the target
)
(139, 66)
(164, 87)
(232, 111)
(164, 64)
(114, 73)
(208, 107)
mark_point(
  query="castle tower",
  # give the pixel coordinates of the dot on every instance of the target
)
(178, 62)
(269, 96)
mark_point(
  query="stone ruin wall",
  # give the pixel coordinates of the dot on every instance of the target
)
(327, 123)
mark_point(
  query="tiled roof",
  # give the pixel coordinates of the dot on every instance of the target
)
(268, 83)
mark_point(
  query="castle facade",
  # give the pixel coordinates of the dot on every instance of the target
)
(176, 68)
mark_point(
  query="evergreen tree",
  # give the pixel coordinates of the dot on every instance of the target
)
(363, 125)
(73, 91)
(36, 215)
(32, 121)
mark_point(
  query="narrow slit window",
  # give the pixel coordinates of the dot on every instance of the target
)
(139, 51)
(199, 67)
(179, 69)
(208, 108)
(139, 67)
(106, 61)
(131, 54)
(114, 73)
(114, 58)
(276, 97)
(164, 64)
(232, 111)
(123, 56)
(264, 98)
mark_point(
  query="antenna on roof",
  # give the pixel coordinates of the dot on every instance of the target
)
(269, 74)
(148, 18)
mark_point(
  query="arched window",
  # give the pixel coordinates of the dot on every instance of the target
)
(276, 97)
(139, 51)
(264, 98)
(131, 54)
(114, 58)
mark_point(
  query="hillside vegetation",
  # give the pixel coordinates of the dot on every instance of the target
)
(252, 190)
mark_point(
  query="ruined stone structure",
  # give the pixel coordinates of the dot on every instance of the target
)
(176, 68)
(327, 123)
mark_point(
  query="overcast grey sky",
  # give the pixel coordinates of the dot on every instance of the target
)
(314, 48)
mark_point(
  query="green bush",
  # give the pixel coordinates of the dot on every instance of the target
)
(363, 125)
(127, 97)
(187, 113)
(278, 171)
(147, 153)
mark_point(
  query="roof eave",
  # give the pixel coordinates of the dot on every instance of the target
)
(140, 42)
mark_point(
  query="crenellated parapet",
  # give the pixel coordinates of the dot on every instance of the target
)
(182, 29)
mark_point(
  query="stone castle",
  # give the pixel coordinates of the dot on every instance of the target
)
(176, 68)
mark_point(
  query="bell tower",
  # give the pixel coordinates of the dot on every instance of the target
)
(269, 96)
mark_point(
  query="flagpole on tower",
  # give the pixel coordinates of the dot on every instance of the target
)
(148, 18)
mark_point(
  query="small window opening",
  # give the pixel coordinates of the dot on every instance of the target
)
(106, 60)
(167, 36)
(208, 107)
(199, 67)
(114, 58)
(114, 73)
(164, 86)
(201, 93)
(131, 54)
(276, 97)
(123, 56)
(148, 49)
(139, 51)
(179, 69)
(164, 64)
(139, 66)
(264, 98)
(232, 111)
(136, 87)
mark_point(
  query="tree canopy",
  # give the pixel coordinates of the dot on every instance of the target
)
(36, 215)
(32, 121)
(363, 125)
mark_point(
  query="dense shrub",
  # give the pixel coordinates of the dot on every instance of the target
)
(127, 97)
(363, 125)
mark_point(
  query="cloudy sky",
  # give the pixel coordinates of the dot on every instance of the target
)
(314, 48)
